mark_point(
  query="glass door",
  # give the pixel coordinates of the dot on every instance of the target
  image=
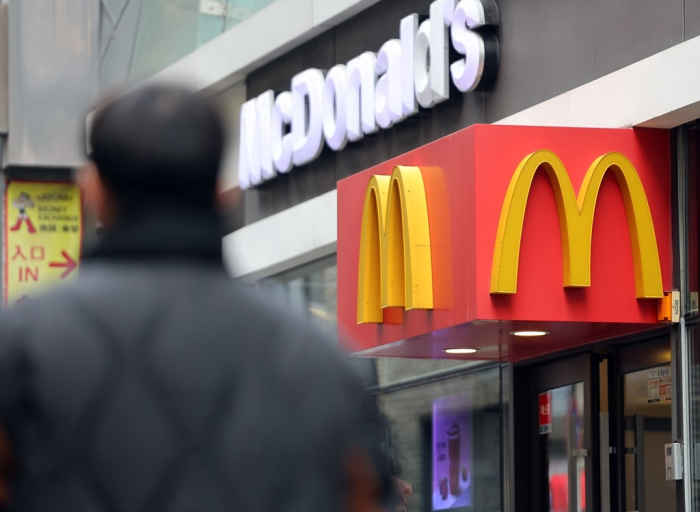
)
(565, 457)
(601, 421)
(645, 377)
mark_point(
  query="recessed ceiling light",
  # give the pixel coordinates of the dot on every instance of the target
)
(530, 334)
(460, 350)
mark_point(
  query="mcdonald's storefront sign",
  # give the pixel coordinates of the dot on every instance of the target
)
(496, 229)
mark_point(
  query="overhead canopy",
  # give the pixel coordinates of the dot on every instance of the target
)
(497, 229)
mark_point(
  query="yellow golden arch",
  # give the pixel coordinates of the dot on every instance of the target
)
(576, 222)
(395, 267)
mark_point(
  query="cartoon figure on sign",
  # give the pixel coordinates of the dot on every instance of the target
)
(23, 202)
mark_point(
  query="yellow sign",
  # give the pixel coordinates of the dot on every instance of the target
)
(43, 237)
(576, 222)
(395, 267)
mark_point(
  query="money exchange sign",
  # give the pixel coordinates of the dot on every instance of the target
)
(43, 237)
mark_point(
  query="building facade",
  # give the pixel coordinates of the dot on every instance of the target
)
(376, 148)
(585, 419)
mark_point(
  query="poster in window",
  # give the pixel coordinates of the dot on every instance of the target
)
(452, 452)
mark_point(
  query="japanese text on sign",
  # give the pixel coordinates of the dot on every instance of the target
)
(43, 237)
(659, 385)
(545, 413)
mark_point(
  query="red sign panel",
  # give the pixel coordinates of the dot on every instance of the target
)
(505, 250)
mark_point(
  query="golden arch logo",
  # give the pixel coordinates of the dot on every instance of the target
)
(576, 222)
(395, 267)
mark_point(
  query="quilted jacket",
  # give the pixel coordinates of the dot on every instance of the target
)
(154, 383)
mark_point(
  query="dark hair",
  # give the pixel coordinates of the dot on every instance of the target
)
(158, 143)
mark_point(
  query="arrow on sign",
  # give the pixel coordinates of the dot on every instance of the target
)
(70, 265)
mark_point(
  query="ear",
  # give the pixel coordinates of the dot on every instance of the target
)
(95, 194)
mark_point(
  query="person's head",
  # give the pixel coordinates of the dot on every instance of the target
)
(155, 146)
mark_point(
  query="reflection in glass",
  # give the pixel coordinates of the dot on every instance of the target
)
(309, 291)
(170, 29)
(565, 437)
(452, 449)
(422, 453)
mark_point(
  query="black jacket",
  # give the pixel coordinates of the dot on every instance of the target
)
(156, 384)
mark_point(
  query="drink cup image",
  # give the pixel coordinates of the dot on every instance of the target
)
(454, 448)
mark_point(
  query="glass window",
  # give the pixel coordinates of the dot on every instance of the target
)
(446, 440)
(310, 291)
(170, 29)
(397, 371)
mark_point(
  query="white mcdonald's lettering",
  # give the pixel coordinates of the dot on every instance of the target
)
(370, 92)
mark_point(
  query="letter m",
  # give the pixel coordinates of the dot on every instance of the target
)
(254, 153)
(576, 222)
(395, 265)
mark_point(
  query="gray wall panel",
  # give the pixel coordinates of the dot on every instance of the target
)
(319, 176)
(692, 18)
(551, 46)
(318, 53)
(48, 38)
(375, 26)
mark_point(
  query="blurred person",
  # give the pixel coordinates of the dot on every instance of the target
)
(154, 383)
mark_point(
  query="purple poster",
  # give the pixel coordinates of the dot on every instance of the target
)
(452, 452)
